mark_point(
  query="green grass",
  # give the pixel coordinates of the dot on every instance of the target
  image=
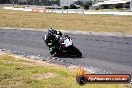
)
(75, 22)
(15, 74)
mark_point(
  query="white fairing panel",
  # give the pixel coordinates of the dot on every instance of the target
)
(67, 42)
(45, 37)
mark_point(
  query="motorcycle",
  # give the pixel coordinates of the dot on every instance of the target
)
(63, 46)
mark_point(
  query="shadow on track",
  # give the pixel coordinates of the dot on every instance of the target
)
(68, 56)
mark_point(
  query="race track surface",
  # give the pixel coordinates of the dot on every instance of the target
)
(110, 53)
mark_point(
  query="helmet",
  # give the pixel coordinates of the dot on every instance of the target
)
(51, 31)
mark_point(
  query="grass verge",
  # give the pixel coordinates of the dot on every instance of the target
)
(74, 22)
(23, 73)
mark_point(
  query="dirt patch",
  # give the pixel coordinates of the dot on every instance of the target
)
(36, 62)
(32, 62)
(44, 76)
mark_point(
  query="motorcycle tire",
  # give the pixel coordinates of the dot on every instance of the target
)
(76, 51)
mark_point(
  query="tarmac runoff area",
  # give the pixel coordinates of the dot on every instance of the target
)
(101, 54)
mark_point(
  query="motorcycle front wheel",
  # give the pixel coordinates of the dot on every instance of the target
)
(75, 51)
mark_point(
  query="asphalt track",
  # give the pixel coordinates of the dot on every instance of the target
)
(110, 53)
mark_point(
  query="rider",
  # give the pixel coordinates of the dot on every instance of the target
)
(53, 37)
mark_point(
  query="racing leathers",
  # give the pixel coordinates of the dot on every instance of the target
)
(52, 40)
